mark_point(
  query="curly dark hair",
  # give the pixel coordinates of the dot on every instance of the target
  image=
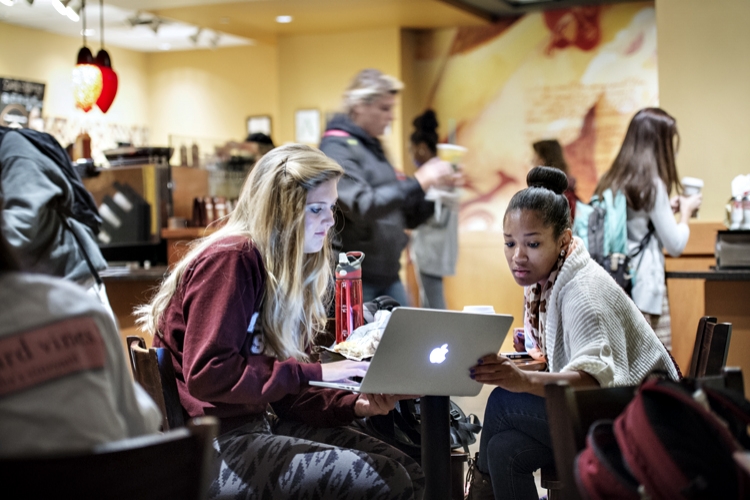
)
(425, 130)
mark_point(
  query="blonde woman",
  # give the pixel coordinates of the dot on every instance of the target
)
(239, 313)
(376, 202)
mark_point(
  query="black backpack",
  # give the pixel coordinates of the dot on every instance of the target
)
(84, 208)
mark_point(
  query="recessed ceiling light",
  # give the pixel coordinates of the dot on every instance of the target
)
(88, 32)
(283, 19)
(9, 3)
(164, 46)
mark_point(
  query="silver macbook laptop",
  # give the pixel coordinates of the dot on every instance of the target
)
(429, 352)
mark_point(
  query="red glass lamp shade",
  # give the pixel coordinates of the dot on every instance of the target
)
(87, 80)
(109, 81)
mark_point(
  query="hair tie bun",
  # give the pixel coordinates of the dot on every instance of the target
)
(548, 178)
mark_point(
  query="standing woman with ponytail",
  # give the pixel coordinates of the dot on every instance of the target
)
(589, 330)
(645, 171)
(239, 314)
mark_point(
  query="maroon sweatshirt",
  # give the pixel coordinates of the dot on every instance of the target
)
(205, 327)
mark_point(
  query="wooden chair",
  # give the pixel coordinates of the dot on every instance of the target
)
(175, 465)
(711, 347)
(570, 413)
(152, 368)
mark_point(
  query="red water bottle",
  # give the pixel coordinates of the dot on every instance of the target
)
(349, 315)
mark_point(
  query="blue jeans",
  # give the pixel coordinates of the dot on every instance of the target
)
(395, 290)
(515, 442)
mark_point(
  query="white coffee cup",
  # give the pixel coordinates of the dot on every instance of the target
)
(480, 309)
(692, 185)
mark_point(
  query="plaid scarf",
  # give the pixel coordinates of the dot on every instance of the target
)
(535, 298)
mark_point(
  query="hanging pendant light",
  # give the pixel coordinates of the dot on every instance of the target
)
(104, 62)
(87, 77)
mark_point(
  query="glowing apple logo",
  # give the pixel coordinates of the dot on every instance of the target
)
(438, 354)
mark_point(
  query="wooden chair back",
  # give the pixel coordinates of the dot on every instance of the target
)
(152, 368)
(176, 465)
(570, 413)
(711, 348)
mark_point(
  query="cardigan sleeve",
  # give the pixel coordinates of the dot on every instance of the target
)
(587, 339)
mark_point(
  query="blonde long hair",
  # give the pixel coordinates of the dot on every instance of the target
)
(271, 214)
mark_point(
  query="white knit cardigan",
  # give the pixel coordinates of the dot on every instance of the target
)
(593, 326)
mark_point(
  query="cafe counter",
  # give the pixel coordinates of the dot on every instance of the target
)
(696, 289)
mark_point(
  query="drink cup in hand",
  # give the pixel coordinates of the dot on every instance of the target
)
(692, 187)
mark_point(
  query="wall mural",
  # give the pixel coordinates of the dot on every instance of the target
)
(577, 75)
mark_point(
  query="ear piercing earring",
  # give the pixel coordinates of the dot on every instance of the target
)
(562, 253)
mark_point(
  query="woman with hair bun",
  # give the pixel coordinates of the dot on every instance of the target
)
(435, 242)
(590, 331)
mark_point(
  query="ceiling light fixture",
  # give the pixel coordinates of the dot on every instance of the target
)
(215, 40)
(155, 24)
(73, 13)
(104, 62)
(87, 77)
(194, 37)
(61, 6)
(9, 3)
(284, 19)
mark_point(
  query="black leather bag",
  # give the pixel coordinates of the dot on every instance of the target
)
(402, 428)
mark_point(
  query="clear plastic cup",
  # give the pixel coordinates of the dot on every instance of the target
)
(452, 153)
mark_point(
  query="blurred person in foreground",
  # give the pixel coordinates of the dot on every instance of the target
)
(49, 219)
(376, 202)
(66, 385)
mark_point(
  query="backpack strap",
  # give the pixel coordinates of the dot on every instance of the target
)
(336, 133)
(351, 141)
(67, 225)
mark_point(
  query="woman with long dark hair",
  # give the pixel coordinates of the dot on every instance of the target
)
(646, 172)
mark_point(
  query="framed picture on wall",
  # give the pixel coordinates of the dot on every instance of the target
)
(259, 123)
(307, 126)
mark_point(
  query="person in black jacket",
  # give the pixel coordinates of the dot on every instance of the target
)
(377, 203)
